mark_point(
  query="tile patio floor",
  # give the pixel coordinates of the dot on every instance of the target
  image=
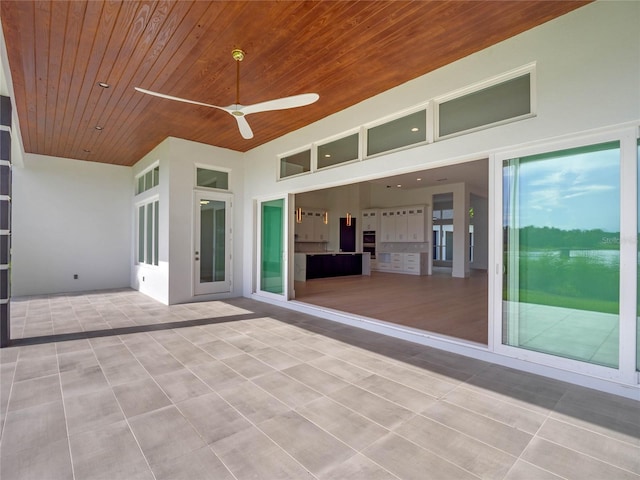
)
(112, 385)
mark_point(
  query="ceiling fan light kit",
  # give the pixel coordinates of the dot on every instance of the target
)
(239, 111)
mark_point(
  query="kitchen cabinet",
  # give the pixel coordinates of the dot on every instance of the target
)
(401, 225)
(416, 224)
(401, 262)
(312, 228)
(324, 265)
(370, 220)
(388, 225)
(405, 224)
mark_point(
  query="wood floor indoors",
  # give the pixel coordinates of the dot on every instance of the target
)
(439, 303)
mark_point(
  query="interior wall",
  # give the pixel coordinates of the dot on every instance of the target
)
(70, 217)
(480, 223)
(587, 74)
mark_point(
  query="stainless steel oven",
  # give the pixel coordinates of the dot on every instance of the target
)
(369, 242)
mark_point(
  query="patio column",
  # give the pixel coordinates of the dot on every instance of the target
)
(5, 217)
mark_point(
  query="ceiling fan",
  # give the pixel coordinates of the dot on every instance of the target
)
(240, 111)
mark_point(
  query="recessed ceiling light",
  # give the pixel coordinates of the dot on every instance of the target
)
(398, 185)
(327, 155)
(86, 150)
(103, 84)
(98, 127)
(418, 179)
(415, 129)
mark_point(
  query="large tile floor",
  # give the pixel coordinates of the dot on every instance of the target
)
(112, 385)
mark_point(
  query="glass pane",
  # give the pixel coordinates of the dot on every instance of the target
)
(340, 151)
(212, 179)
(295, 164)
(562, 253)
(272, 247)
(397, 133)
(500, 102)
(140, 185)
(156, 176)
(149, 238)
(141, 234)
(148, 180)
(156, 230)
(212, 241)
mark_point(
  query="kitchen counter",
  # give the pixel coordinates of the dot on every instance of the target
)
(330, 264)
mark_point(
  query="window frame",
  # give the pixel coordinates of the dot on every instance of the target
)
(213, 168)
(626, 372)
(142, 176)
(390, 118)
(142, 226)
(529, 69)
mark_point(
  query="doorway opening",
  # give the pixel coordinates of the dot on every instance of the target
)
(448, 296)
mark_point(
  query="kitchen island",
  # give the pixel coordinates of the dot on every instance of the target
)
(308, 266)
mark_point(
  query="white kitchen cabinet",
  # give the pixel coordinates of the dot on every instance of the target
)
(401, 225)
(416, 224)
(404, 224)
(370, 220)
(387, 225)
(312, 228)
(407, 263)
(320, 229)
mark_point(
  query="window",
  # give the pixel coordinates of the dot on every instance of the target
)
(148, 180)
(295, 164)
(495, 104)
(209, 178)
(148, 227)
(561, 217)
(339, 151)
(397, 133)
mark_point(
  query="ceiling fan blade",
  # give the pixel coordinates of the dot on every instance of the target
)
(281, 103)
(178, 99)
(243, 125)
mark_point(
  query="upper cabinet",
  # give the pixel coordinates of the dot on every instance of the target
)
(312, 226)
(370, 220)
(416, 224)
(403, 224)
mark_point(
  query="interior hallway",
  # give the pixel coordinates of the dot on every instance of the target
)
(113, 385)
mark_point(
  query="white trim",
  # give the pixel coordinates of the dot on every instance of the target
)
(529, 69)
(5, 163)
(5, 128)
(203, 166)
(289, 154)
(489, 82)
(625, 373)
(334, 138)
(4, 301)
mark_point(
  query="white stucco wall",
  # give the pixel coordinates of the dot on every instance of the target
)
(587, 77)
(70, 217)
(184, 156)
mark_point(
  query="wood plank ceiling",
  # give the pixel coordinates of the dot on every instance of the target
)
(346, 51)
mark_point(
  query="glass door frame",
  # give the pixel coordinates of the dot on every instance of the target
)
(626, 373)
(287, 247)
(226, 285)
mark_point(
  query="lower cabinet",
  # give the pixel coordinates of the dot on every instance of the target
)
(322, 266)
(407, 263)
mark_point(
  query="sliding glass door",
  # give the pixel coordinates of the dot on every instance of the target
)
(273, 248)
(561, 255)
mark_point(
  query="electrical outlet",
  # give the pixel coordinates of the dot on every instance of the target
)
(75, 276)
(143, 279)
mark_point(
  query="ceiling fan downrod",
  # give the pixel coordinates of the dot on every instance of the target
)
(238, 56)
